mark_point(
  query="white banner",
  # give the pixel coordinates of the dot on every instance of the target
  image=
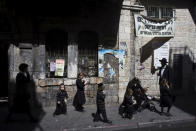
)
(162, 52)
(145, 27)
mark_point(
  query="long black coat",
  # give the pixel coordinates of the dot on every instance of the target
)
(62, 107)
(166, 74)
(165, 97)
(79, 98)
(21, 101)
(100, 100)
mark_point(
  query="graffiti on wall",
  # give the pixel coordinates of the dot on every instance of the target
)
(119, 54)
(123, 46)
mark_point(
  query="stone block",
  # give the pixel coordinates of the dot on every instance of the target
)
(69, 88)
(69, 82)
(42, 83)
(95, 80)
(39, 90)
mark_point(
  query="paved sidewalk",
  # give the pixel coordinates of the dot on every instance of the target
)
(83, 121)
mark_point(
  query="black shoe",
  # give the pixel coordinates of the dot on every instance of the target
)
(95, 120)
(93, 115)
(168, 114)
(161, 113)
(107, 121)
(80, 110)
(33, 120)
(130, 117)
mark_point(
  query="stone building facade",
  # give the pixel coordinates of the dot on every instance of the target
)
(39, 37)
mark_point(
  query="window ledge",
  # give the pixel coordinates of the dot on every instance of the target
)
(67, 81)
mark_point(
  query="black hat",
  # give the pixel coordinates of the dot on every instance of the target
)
(22, 66)
(100, 85)
(164, 60)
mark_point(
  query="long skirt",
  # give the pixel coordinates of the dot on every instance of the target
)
(79, 99)
(61, 108)
(165, 101)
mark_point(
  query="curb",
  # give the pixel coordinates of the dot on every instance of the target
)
(166, 123)
(139, 125)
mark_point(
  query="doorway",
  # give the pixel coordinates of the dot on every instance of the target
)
(4, 70)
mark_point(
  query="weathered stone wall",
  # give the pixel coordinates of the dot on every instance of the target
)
(182, 43)
(126, 42)
(47, 89)
(102, 19)
(114, 25)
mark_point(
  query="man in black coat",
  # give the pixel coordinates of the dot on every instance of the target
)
(21, 102)
(100, 101)
(164, 71)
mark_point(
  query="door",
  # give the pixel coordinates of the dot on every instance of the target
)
(4, 70)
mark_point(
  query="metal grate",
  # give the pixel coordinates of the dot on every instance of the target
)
(51, 55)
(159, 12)
(166, 12)
(88, 61)
(153, 12)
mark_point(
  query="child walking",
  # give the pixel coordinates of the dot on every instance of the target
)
(100, 101)
(61, 105)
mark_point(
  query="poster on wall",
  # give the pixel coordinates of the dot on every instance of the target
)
(60, 63)
(162, 52)
(120, 54)
(52, 66)
(147, 28)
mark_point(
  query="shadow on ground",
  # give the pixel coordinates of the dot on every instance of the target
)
(186, 103)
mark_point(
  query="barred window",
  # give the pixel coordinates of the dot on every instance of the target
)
(159, 12)
(88, 53)
(56, 49)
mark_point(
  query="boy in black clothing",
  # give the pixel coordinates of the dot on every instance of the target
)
(100, 101)
(126, 109)
(61, 106)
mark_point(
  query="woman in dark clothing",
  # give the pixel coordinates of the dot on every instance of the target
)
(165, 97)
(128, 104)
(61, 106)
(100, 101)
(138, 92)
(79, 99)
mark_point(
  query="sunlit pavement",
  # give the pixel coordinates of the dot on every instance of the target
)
(83, 120)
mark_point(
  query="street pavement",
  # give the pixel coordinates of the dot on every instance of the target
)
(78, 121)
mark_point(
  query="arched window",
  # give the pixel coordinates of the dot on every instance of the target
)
(56, 49)
(88, 53)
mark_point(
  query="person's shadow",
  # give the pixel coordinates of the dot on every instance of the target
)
(23, 120)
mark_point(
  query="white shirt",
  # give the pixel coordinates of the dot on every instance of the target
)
(162, 70)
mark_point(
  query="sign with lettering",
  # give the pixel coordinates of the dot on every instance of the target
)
(161, 52)
(145, 27)
(60, 63)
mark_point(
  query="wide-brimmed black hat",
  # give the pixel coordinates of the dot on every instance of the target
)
(22, 66)
(100, 85)
(164, 60)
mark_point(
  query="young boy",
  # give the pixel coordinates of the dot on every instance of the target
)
(100, 101)
(61, 105)
(128, 103)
